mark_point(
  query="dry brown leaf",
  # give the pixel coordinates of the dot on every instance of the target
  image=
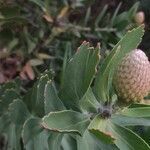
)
(2, 78)
(63, 13)
(27, 72)
(48, 18)
(23, 75)
(44, 56)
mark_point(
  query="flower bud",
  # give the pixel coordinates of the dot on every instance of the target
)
(132, 77)
(139, 17)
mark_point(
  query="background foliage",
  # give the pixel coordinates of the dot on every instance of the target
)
(40, 35)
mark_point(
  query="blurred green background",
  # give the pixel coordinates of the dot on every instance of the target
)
(36, 35)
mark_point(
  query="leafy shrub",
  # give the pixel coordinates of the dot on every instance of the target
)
(84, 114)
(44, 33)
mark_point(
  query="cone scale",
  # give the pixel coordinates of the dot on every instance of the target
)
(132, 77)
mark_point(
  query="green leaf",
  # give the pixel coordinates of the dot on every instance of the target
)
(90, 142)
(7, 98)
(67, 55)
(78, 75)
(66, 121)
(98, 127)
(69, 142)
(39, 102)
(6, 86)
(12, 44)
(4, 122)
(12, 85)
(39, 142)
(11, 14)
(127, 139)
(11, 123)
(35, 62)
(136, 112)
(10, 11)
(115, 15)
(135, 105)
(101, 15)
(89, 104)
(105, 137)
(34, 137)
(54, 141)
(49, 73)
(13, 135)
(103, 79)
(130, 121)
(133, 10)
(51, 99)
(18, 112)
(40, 3)
(31, 45)
(123, 19)
(31, 128)
(35, 98)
